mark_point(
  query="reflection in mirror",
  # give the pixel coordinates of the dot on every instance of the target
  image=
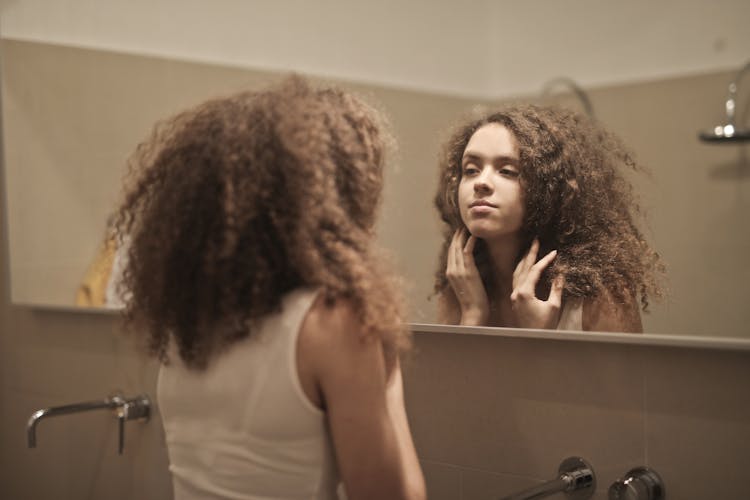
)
(66, 143)
(564, 83)
(730, 130)
(694, 196)
(541, 225)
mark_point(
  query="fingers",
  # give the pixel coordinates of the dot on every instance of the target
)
(468, 250)
(532, 253)
(454, 251)
(556, 292)
(460, 259)
(535, 272)
(529, 259)
(526, 262)
(525, 278)
(465, 280)
(545, 261)
(461, 248)
(459, 240)
(530, 310)
(535, 313)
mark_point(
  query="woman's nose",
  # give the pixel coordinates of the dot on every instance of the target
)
(482, 182)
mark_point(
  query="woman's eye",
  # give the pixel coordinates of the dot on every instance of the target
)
(470, 170)
(510, 172)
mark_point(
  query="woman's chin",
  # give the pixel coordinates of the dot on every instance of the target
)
(483, 232)
(480, 232)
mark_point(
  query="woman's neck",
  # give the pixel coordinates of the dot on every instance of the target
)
(503, 253)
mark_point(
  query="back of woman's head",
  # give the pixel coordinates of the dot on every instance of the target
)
(242, 199)
(577, 199)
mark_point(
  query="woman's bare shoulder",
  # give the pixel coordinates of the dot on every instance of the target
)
(331, 318)
(331, 329)
(605, 313)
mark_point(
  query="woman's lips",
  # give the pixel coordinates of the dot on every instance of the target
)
(481, 207)
(482, 203)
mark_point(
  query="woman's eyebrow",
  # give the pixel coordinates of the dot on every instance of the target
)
(504, 159)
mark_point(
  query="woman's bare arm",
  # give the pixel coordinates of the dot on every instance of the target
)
(363, 399)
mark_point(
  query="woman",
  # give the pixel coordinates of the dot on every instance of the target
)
(252, 276)
(541, 226)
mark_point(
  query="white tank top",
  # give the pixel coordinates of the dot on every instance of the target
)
(244, 428)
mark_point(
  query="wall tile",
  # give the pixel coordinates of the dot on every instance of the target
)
(698, 422)
(483, 485)
(443, 480)
(88, 441)
(520, 406)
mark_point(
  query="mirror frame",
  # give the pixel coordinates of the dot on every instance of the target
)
(641, 339)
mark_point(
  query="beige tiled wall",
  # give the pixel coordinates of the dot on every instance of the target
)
(490, 415)
(493, 415)
(54, 358)
(698, 421)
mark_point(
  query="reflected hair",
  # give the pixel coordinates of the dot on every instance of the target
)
(232, 204)
(577, 200)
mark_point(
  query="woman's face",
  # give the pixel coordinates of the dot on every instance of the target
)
(490, 197)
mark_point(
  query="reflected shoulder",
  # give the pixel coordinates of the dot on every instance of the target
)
(605, 313)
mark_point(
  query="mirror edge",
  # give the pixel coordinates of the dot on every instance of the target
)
(645, 339)
(4, 217)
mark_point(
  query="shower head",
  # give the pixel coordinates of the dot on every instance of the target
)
(571, 85)
(725, 133)
(729, 132)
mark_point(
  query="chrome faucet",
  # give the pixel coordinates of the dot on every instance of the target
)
(575, 478)
(640, 483)
(138, 408)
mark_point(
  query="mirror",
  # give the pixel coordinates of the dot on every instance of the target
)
(66, 144)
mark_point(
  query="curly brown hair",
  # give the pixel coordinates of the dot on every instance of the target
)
(242, 199)
(576, 200)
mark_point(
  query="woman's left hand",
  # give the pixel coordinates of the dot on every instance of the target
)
(531, 311)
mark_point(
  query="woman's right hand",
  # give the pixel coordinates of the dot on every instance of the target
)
(531, 311)
(464, 278)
